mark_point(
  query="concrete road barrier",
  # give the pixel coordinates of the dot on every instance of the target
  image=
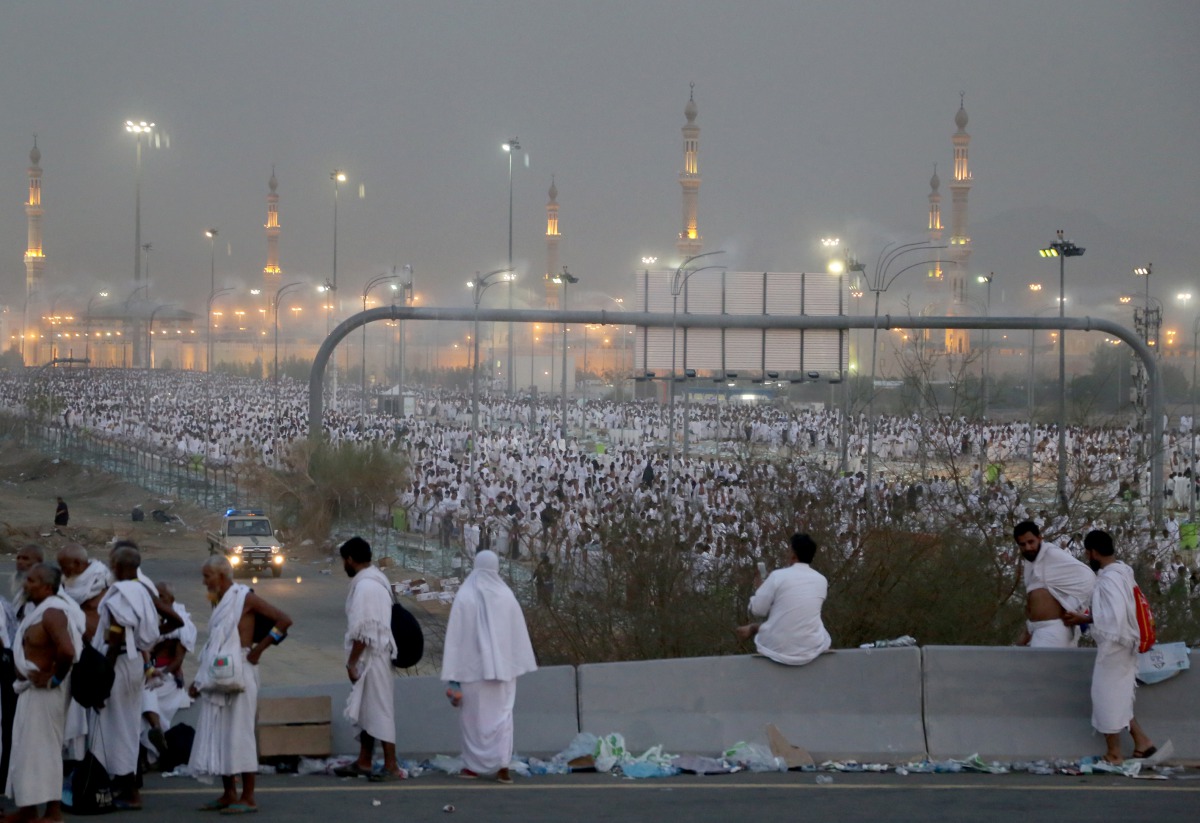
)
(859, 703)
(546, 714)
(1025, 704)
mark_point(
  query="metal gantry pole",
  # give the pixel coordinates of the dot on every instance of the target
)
(1063, 503)
(833, 322)
(1192, 463)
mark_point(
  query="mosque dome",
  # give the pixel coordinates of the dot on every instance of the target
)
(553, 190)
(935, 182)
(35, 156)
(273, 183)
(689, 111)
(960, 119)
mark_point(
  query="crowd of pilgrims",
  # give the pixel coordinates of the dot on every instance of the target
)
(532, 483)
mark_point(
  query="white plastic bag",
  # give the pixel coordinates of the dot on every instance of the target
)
(1162, 662)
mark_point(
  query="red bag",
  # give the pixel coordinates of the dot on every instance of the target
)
(1145, 621)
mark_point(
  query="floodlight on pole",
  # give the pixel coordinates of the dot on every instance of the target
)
(1062, 249)
(564, 279)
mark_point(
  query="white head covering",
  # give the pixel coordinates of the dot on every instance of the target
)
(486, 637)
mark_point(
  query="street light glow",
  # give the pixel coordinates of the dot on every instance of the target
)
(1035, 286)
(835, 266)
(141, 127)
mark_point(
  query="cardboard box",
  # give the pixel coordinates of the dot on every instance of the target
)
(290, 726)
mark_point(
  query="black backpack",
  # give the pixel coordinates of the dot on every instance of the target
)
(92, 679)
(410, 640)
(87, 789)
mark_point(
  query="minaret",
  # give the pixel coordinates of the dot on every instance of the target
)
(552, 238)
(271, 272)
(35, 257)
(960, 239)
(690, 242)
(935, 230)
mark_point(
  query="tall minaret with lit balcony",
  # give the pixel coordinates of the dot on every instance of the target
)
(935, 230)
(552, 237)
(271, 272)
(690, 242)
(35, 257)
(960, 238)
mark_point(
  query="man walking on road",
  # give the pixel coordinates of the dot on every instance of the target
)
(1115, 629)
(371, 705)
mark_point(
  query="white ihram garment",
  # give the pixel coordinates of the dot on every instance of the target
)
(118, 724)
(487, 648)
(1114, 626)
(790, 599)
(35, 773)
(224, 743)
(1069, 581)
(371, 704)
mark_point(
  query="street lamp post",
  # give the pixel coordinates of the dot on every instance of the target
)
(150, 335)
(987, 349)
(510, 148)
(1192, 431)
(212, 296)
(211, 234)
(840, 266)
(372, 283)
(87, 343)
(879, 284)
(338, 177)
(406, 290)
(682, 275)
(137, 130)
(275, 371)
(1062, 249)
(565, 279)
(478, 286)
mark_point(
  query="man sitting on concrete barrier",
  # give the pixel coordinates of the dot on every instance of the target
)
(1115, 629)
(790, 599)
(1055, 583)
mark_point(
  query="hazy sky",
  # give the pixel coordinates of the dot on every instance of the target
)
(816, 119)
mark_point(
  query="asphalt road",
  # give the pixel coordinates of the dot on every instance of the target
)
(593, 798)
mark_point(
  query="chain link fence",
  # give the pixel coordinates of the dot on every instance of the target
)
(183, 477)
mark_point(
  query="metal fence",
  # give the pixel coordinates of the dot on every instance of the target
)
(176, 476)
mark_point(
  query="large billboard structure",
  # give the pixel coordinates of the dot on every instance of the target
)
(742, 294)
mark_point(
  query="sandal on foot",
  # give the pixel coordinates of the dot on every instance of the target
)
(353, 770)
(1141, 755)
(239, 808)
(213, 806)
(386, 777)
(467, 774)
(503, 776)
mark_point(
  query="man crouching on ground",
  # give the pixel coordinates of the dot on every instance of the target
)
(227, 686)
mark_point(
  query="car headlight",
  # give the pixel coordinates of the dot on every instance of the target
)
(235, 560)
(237, 549)
(278, 560)
(274, 550)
